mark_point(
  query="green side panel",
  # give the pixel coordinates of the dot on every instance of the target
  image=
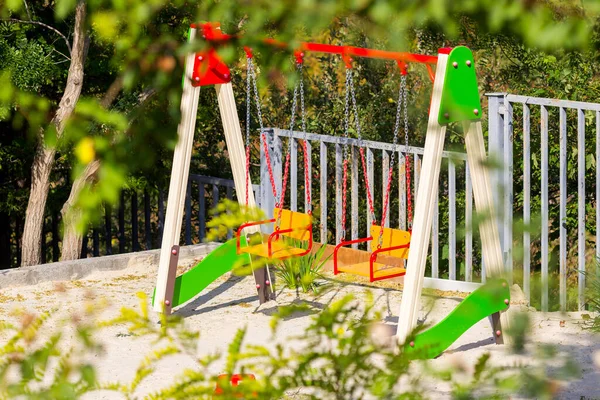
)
(220, 261)
(483, 302)
(460, 95)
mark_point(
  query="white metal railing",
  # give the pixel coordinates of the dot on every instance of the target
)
(545, 178)
(328, 175)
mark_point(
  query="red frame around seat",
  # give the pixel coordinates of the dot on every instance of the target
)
(372, 258)
(274, 236)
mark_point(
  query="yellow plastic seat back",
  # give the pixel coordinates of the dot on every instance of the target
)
(294, 220)
(391, 238)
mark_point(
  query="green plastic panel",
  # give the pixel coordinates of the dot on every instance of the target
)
(483, 302)
(460, 95)
(220, 261)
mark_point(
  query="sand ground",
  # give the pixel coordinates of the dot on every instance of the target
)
(231, 303)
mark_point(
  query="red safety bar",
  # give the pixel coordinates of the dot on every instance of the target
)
(372, 258)
(246, 225)
(346, 243)
(274, 237)
(210, 70)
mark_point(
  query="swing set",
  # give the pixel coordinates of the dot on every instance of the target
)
(296, 225)
(455, 99)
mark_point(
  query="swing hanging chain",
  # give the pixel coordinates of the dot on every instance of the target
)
(407, 160)
(362, 151)
(307, 185)
(248, 111)
(345, 150)
(263, 137)
(281, 197)
(402, 103)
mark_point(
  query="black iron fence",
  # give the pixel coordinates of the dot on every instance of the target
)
(136, 224)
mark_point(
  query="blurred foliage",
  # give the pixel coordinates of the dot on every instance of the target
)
(344, 352)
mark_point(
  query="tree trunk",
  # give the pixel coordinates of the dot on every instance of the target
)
(72, 238)
(31, 252)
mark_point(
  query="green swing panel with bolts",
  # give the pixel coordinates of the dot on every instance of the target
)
(455, 99)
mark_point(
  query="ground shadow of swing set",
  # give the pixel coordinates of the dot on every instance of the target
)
(455, 99)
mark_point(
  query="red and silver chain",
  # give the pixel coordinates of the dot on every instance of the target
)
(280, 199)
(362, 150)
(407, 164)
(251, 85)
(307, 187)
(402, 102)
(345, 151)
(248, 111)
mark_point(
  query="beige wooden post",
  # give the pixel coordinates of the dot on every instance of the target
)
(178, 186)
(235, 145)
(484, 204)
(423, 216)
(424, 210)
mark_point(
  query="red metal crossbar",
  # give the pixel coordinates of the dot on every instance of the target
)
(209, 69)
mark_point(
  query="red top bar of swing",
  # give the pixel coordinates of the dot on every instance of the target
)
(218, 72)
(351, 51)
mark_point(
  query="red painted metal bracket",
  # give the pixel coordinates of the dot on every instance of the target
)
(209, 69)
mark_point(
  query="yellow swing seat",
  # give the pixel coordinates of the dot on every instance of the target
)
(293, 225)
(395, 243)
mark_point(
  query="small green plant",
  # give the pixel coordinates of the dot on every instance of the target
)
(303, 273)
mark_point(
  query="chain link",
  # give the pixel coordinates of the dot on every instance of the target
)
(345, 149)
(248, 110)
(407, 161)
(401, 103)
(307, 182)
(251, 85)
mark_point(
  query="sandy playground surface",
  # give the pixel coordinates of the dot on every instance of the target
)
(231, 303)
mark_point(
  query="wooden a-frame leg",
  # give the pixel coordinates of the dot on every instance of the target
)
(484, 204)
(178, 186)
(237, 159)
(424, 209)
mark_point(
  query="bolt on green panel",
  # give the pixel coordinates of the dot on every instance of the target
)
(460, 95)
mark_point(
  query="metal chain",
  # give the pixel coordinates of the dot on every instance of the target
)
(402, 95)
(407, 159)
(361, 149)
(248, 111)
(263, 137)
(345, 149)
(307, 185)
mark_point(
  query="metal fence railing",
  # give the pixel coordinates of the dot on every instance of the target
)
(452, 255)
(549, 151)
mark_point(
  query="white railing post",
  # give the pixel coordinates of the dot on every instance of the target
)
(496, 155)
